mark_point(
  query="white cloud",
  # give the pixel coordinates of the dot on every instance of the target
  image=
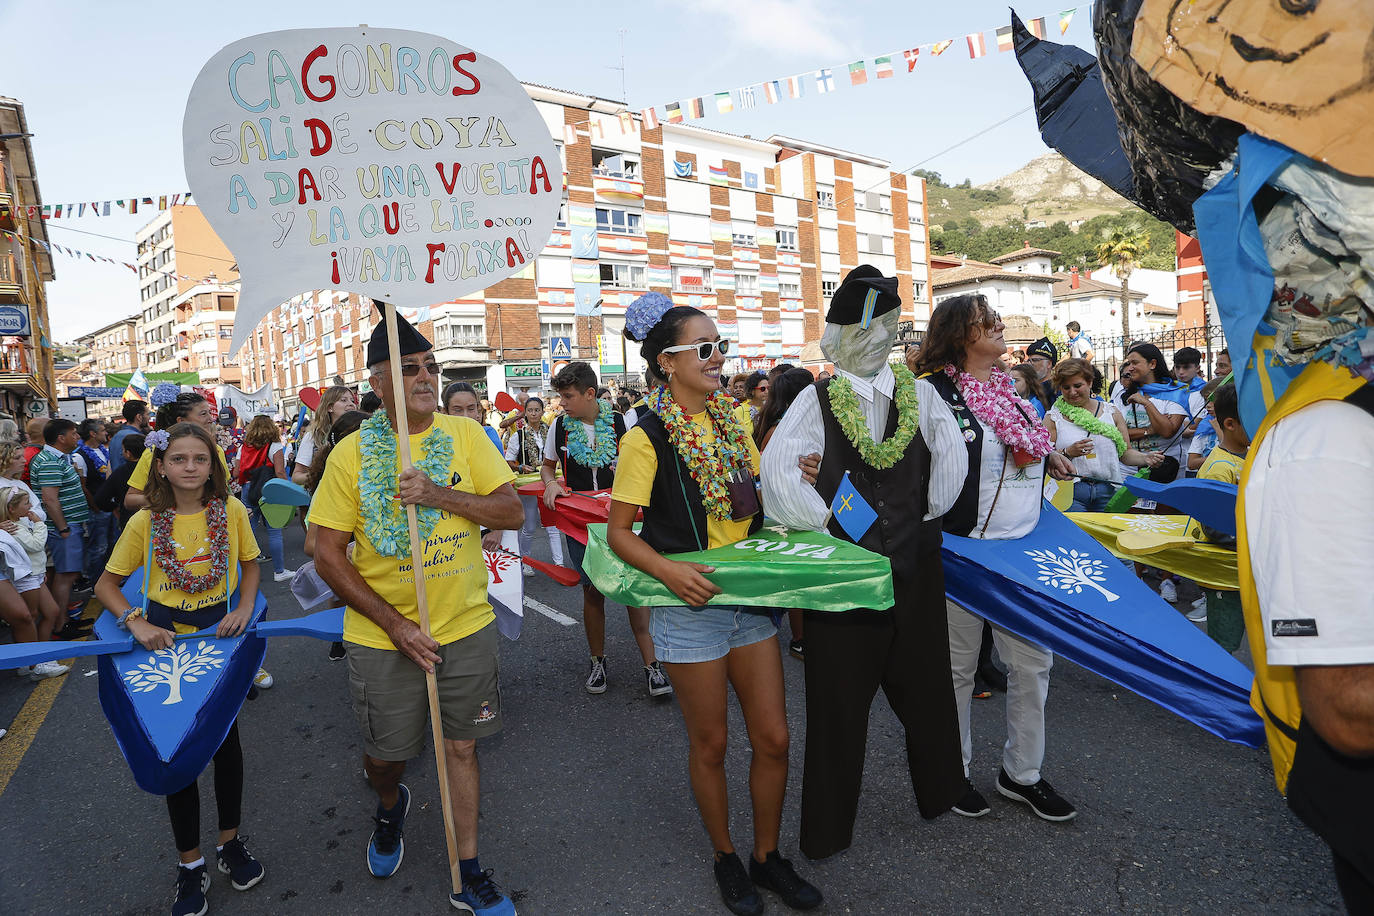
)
(784, 26)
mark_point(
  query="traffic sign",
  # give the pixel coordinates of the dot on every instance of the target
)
(37, 407)
(80, 391)
(560, 347)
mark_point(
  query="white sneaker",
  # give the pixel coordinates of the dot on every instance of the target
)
(1199, 612)
(48, 669)
(528, 570)
(286, 575)
(262, 680)
(1167, 591)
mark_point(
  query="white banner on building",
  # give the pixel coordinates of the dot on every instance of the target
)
(249, 404)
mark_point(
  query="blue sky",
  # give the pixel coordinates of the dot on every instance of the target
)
(105, 85)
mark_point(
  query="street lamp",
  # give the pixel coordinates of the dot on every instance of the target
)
(14, 136)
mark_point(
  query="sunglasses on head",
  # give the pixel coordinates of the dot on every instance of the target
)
(410, 370)
(703, 349)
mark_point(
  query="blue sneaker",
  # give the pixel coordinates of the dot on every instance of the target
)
(482, 897)
(238, 863)
(387, 846)
(192, 885)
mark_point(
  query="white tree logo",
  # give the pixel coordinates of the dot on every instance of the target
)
(172, 667)
(1155, 524)
(1071, 570)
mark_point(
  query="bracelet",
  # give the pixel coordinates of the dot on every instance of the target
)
(128, 615)
(66, 530)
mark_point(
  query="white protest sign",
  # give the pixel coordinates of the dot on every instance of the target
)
(388, 163)
(249, 404)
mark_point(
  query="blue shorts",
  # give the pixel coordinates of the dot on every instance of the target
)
(67, 552)
(577, 552)
(683, 635)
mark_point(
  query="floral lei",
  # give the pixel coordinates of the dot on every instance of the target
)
(997, 405)
(164, 549)
(845, 405)
(710, 466)
(384, 518)
(604, 431)
(1085, 421)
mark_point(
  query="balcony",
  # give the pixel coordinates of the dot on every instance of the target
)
(8, 217)
(11, 279)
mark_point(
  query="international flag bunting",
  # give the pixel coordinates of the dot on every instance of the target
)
(940, 47)
(1004, 42)
(1037, 27)
(1065, 17)
(717, 175)
(649, 117)
(977, 47)
(911, 57)
(747, 99)
(772, 91)
(795, 89)
(569, 135)
(724, 105)
(694, 108)
(825, 81)
(858, 73)
(883, 65)
(627, 123)
(598, 129)
(674, 112)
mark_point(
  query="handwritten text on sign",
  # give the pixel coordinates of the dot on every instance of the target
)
(389, 163)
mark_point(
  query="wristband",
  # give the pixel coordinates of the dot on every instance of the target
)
(128, 615)
(66, 530)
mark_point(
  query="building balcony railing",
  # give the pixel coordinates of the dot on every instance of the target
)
(8, 217)
(15, 359)
(12, 278)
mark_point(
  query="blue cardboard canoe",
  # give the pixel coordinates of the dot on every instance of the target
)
(170, 710)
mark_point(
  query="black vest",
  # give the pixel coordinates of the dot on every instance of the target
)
(1329, 792)
(899, 494)
(962, 517)
(675, 519)
(577, 476)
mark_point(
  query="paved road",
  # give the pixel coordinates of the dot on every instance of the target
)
(586, 807)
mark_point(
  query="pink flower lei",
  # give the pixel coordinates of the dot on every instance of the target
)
(997, 405)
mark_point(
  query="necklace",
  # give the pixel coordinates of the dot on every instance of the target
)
(710, 465)
(165, 551)
(603, 453)
(1091, 424)
(996, 405)
(384, 518)
(845, 405)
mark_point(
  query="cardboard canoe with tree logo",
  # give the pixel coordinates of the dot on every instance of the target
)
(776, 568)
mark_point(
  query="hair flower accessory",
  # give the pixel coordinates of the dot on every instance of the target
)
(157, 439)
(163, 393)
(644, 313)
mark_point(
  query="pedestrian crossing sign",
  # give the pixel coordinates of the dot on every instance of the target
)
(560, 347)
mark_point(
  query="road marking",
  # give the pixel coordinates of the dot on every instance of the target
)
(25, 726)
(533, 605)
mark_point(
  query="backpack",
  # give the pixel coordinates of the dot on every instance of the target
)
(255, 469)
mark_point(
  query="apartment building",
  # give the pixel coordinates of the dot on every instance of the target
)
(203, 322)
(756, 233)
(26, 369)
(177, 250)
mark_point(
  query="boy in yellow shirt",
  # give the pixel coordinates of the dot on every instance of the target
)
(1222, 610)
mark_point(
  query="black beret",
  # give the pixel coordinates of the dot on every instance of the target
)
(1043, 347)
(411, 340)
(865, 285)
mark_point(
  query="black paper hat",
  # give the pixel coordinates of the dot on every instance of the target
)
(864, 295)
(1043, 347)
(412, 341)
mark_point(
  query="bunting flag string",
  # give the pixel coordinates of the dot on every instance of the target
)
(53, 248)
(105, 207)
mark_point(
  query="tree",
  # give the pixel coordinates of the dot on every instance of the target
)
(932, 178)
(1122, 251)
(172, 667)
(1071, 571)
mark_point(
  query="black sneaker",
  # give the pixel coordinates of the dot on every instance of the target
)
(735, 887)
(776, 874)
(238, 863)
(1042, 798)
(973, 804)
(797, 649)
(657, 680)
(192, 885)
(596, 676)
(991, 676)
(337, 651)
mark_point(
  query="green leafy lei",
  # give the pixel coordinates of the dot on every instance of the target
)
(845, 405)
(1085, 421)
(384, 518)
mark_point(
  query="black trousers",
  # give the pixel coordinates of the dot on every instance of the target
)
(1356, 890)
(184, 805)
(905, 651)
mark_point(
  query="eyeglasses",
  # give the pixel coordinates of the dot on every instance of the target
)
(410, 370)
(704, 349)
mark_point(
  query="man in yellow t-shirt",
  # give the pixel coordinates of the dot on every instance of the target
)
(459, 482)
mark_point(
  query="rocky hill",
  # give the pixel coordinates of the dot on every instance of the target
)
(1044, 190)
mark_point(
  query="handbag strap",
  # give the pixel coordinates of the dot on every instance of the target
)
(1000, 478)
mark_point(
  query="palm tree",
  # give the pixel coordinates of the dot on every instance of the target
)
(1122, 251)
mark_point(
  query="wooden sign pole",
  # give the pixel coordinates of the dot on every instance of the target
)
(417, 563)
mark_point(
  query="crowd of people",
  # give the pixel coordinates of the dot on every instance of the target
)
(701, 456)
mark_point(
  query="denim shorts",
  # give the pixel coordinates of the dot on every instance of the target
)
(683, 635)
(67, 552)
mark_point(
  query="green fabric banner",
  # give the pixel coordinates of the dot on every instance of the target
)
(776, 567)
(121, 379)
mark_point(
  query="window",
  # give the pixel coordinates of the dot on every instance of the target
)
(828, 286)
(551, 329)
(746, 284)
(208, 361)
(825, 196)
(226, 331)
(692, 279)
(789, 290)
(562, 214)
(622, 276)
(625, 222)
(744, 240)
(468, 335)
(918, 290)
(787, 239)
(615, 164)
